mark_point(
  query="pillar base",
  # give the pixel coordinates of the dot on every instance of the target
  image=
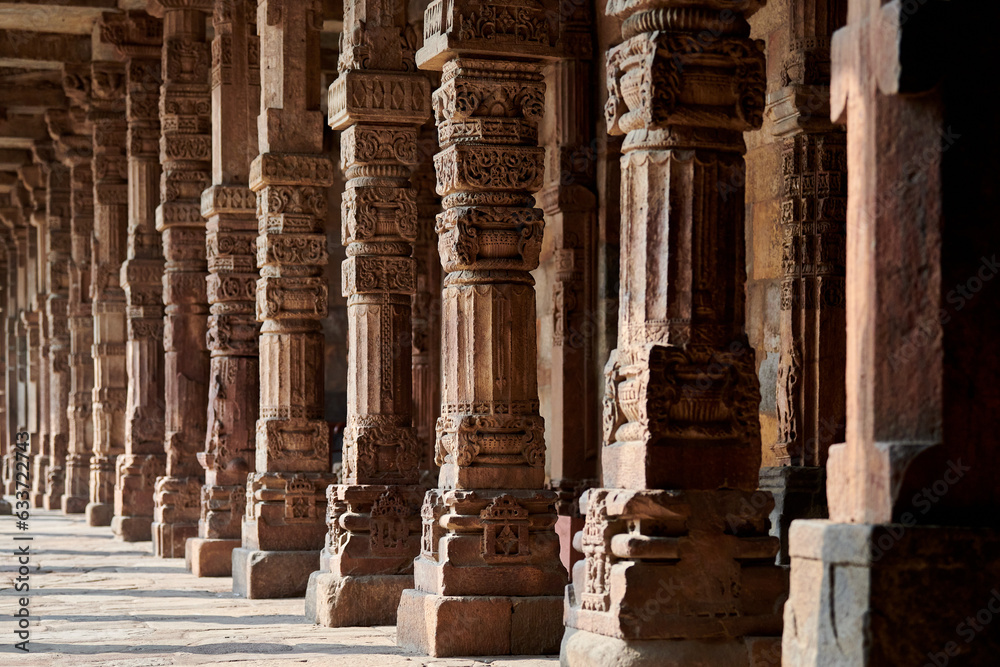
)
(133, 528)
(892, 594)
(263, 575)
(100, 514)
(53, 501)
(37, 499)
(169, 538)
(587, 649)
(336, 601)
(5, 507)
(443, 626)
(799, 493)
(74, 504)
(206, 557)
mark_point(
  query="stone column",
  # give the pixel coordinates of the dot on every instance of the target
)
(185, 155)
(810, 390)
(284, 528)
(489, 549)
(31, 330)
(905, 570)
(379, 101)
(7, 400)
(570, 207)
(59, 215)
(107, 115)
(426, 308)
(678, 566)
(33, 178)
(18, 339)
(138, 38)
(81, 327)
(74, 146)
(230, 208)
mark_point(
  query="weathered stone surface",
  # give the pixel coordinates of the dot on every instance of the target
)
(259, 573)
(444, 626)
(185, 159)
(138, 37)
(229, 208)
(373, 517)
(286, 495)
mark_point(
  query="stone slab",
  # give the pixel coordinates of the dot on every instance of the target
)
(336, 601)
(443, 626)
(205, 557)
(272, 574)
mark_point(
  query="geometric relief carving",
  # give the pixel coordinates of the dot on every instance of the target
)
(505, 530)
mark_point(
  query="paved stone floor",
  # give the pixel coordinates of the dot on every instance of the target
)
(97, 601)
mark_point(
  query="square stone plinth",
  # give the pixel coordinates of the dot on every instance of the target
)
(206, 557)
(74, 504)
(442, 626)
(5, 507)
(261, 575)
(587, 649)
(338, 601)
(133, 528)
(892, 594)
(100, 514)
(170, 539)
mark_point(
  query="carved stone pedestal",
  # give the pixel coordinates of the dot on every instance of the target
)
(283, 533)
(373, 533)
(673, 578)
(799, 492)
(855, 587)
(487, 575)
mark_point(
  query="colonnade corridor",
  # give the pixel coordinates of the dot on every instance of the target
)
(101, 602)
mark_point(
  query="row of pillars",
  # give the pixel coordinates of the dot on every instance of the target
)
(472, 566)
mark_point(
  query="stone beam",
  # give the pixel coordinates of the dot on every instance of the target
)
(30, 48)
(21, 130)
(13, 158)
(26, 99)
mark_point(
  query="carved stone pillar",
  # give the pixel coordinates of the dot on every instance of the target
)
(81, 328)
(810, 390)
(571, 218)
(59, 215)
(426, 308)
(284, 528)
(138, 38)
(73, 137)
(904, 570)
(379, 101)
(230, 208)
(14, 343)
(8, 400)
(488, 548)
(31, 329)
(185, 156)
(678, 567)
(34, 211)
(107, 115)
